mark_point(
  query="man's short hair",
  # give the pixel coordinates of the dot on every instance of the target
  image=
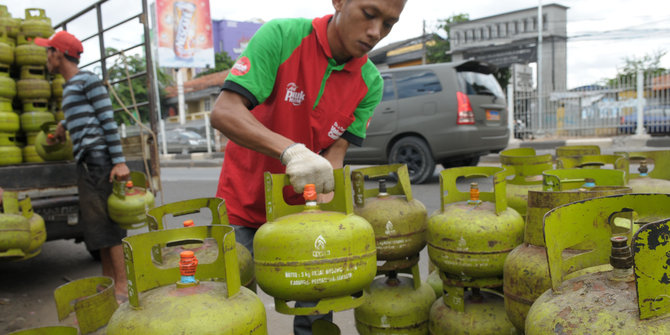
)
(72, 59)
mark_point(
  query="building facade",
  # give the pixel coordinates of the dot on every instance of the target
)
(512, 38)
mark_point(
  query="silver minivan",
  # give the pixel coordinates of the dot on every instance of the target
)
(447, 113)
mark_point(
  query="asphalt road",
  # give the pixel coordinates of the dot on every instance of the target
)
(26, 287)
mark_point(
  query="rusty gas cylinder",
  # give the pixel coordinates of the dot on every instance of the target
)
(625, 300)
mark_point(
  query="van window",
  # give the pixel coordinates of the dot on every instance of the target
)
(479, 84)
(388, 88)
(416, 83)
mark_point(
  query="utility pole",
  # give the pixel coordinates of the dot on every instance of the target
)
(539, 65)
(423, 43)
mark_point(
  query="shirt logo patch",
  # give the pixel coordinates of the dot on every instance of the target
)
(241, 67)
(335, 131)
(293, 96)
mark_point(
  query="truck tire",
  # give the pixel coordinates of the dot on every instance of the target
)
(415, 153)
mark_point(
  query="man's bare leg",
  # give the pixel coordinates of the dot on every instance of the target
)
(113, 265)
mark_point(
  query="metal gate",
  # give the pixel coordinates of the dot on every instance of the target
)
(597, 110)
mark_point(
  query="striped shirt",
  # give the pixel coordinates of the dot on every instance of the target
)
(89, 117)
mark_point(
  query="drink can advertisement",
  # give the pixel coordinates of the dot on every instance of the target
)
(184, 32)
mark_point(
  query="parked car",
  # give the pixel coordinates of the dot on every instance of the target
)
(182, 141)
(656, 121)
(447, 113)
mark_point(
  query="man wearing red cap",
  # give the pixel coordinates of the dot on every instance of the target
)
(97, 149)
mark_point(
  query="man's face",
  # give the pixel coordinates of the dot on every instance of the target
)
(54, 58)
(361, 24)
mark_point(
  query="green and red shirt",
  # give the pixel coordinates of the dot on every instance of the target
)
(297, 90)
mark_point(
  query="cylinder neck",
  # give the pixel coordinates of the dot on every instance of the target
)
(382, 188)
(621, 258)
(392, 279)
(187, 266)
(309, 194)
(474, 194)
(643, 169)
(589, 183)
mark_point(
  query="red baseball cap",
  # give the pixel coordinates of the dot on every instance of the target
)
(63, 42)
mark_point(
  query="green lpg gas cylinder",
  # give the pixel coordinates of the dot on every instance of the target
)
(48, 148)
(7, 84)
(184, 300)
(528, 168)
(655, 181)
(86, 303)
(399, 220)
(322, 253)
(577, 150)
(9, 122)
(33, 121)
(33, 72)
(57, 86)
(526, 273)
(6, 49)
(33, 89)
(36, 23)
(129, 201)
(168, 256)
(28, 53)
(462, 311)
(15, 235)
(626, 300)
(470, 236)
(30, 155)
(38, 232)
(9, 152)
(11, 25)
(396, 304)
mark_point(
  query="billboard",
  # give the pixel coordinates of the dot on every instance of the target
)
(233, 36)
(184, 32)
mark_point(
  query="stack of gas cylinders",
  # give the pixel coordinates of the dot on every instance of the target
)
(26, 91)
(398, 302)
(538, 245)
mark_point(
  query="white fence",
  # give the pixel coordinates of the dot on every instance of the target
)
(597, 111)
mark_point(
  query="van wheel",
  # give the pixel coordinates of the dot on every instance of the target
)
(413, 152)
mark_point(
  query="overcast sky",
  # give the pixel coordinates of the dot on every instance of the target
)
(601, 32)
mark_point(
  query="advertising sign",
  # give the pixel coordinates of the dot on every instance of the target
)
(184, 33)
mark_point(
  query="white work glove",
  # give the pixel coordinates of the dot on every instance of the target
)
(303, 166)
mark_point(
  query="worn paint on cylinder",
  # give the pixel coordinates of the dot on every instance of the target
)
(526, 274)
(617, 301)
(201, 309)
(397, 218)
(394, 306)
(485, 315)
(314, 252)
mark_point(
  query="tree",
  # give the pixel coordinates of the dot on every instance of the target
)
(222, 61)
(117, 72)
(650, 64)
(437, 51)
